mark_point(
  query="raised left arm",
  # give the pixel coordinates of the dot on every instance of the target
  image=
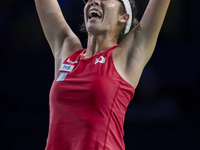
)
(146, 33)
(136, 49)
(148, 30)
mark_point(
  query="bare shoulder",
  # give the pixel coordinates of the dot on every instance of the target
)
(137, 48)
(122, 63)
(69, 45)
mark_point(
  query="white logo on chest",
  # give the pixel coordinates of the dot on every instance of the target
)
(73, 62)
(61, 76)
(101, 59)
(65, 67)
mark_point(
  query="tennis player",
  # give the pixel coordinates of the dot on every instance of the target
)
(93, 86)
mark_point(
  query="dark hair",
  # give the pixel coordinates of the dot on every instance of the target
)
(122, 10)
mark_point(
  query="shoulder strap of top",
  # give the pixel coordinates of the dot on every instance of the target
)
(75, 55)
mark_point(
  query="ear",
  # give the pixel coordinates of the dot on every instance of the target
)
(123, 18)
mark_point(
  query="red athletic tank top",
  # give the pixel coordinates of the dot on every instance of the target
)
(88, 102)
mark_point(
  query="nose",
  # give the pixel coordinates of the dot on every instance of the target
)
(95, 2)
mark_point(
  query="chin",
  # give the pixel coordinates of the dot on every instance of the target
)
(93, 30)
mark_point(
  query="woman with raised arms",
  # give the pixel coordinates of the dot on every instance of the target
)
(93, 86)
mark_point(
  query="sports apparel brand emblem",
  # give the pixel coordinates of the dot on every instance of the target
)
(101, 59)
(61, 76)
(65, 67)
(73, 62)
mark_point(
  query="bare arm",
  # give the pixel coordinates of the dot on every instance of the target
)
(62, 40)
(139, 45)
(148, 30)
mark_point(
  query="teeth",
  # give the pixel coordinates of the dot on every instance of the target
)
(94, 11)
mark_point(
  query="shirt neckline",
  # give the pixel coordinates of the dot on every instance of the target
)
(84, 50)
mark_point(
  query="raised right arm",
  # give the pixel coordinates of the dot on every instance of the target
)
(62, 40)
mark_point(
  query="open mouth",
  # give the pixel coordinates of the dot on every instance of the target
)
(94, 14)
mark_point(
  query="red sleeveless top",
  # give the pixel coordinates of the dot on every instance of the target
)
(88, 102)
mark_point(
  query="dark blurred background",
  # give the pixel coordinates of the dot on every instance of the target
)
(163, 115)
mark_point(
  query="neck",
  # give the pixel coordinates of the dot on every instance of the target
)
(98, 44)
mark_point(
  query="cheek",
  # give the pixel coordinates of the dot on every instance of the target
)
(85, 17)
(111, 17)
(85, 11)
(112, 11)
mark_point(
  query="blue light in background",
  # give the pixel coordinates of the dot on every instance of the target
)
(64, 3)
